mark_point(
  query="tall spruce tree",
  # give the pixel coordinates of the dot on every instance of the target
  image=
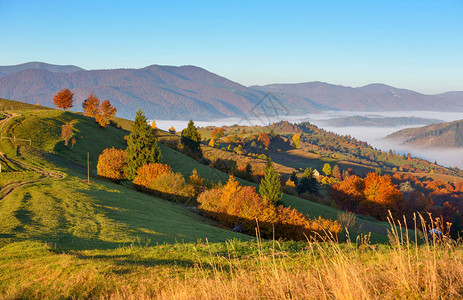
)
(308, 183)
(191, 140)
(270, 185)
(294, 178)
(142, 147)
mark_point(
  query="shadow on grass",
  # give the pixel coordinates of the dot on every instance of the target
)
(151, 221)
(130, 261)
(298, 162)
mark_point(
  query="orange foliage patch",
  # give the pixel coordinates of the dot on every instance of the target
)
(148, 172)
(234, 204)
(374, 195)
(63, 99)
(217, 133)
(106, 112)
(111, 164)
(381, 195)
(264, 139)
(91, 106)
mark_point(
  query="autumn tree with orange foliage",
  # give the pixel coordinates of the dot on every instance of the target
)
(381, 195)
(375, 195)
(159, 180)
(349, 193)
(66, 132)
(172, 186)
(111, 164)
(64, 99)
(264, 139)
(337, 172)
(217, 133)
(234, 204)
(91, 106)
(106, 112)
(100, 112)
(195, 179)
(296, 139)
(211, 143)
(148, 172)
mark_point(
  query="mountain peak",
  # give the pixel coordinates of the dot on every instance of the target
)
(6, 70)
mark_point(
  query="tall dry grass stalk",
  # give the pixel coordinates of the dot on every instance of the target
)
(330, 270)
(411, 266)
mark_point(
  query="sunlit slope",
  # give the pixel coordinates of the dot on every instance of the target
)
(443, 135)
(44, 128)
(185, 164)
(74, 214)
(11, 105)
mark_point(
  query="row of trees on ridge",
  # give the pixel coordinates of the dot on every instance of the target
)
(101, 111)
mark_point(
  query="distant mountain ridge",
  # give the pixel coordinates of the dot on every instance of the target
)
(372, 97)
(162, 92)
(378, 121)
(443, 135)
(7, 70)
(190, 92)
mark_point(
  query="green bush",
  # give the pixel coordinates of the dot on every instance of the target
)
(262, 156)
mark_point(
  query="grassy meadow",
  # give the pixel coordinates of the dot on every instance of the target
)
(64, 238)
(234, 270)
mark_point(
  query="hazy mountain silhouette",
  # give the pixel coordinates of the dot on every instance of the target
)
(162, 92)
(377, 121)
(6, 70)
(442, 135)
(372, 97)
(189, 92)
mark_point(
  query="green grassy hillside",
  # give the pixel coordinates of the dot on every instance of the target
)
(74, 214)
(184, 164)
(10, 105)
(43, 127)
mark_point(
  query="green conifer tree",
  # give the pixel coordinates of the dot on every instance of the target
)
(142, 147)
(308, 183)
(270, 185)
(294, 178)
(191, 140)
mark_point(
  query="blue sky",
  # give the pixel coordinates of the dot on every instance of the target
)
(407, 44)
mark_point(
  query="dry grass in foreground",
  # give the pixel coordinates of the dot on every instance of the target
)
(240, 270)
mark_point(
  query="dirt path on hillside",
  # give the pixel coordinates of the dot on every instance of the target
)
(43, 173)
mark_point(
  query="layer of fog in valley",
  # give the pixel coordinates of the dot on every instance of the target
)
(373, 135)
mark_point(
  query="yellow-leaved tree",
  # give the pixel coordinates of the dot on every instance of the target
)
(296, 140)
(111, 164)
